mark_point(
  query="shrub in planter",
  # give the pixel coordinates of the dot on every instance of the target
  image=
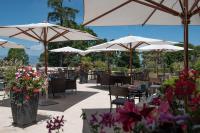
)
(24, 94)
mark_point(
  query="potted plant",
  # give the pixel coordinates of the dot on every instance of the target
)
(24, 95)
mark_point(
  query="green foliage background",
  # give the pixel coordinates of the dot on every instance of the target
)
(17, 55)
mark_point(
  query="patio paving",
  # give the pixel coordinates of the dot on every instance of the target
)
(70, 105)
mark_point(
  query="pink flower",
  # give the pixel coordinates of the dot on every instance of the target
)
(156, 101)
(128, 116)
(164, 107)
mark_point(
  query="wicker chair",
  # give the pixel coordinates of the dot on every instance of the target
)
(106, 80)
(57, 85)
(121, 95)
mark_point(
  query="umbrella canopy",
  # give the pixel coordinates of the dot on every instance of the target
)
(103, 50)
(116, 12)
(8, 44)
(67, 50)
(160, 48)
(151, 12)
(128, 42)
(44, 33)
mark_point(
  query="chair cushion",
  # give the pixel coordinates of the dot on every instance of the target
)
(119, 101)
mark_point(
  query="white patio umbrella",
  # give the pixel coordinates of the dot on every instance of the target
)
(67, 50)
(8, 44)
(103, 50)
(129, 43)
(44, 33)
(141, 12)
(160, 48)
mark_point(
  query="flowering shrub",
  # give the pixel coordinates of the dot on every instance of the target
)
(136, 119)
(27, 82)
(184, 91)
(173, 111)
(55, 124)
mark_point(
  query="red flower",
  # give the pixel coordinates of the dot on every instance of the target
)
(36, 90)
(16, 90)
(27, 97)
(169, 93)
(185, 87)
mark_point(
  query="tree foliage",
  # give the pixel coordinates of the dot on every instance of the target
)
(65, 16)
(61, 13)
(124, 60)
(172, 60)
(17, 55)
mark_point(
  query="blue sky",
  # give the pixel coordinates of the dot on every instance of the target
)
(32, 11)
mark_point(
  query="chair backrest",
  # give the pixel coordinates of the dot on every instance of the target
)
(119, 91)
(61, 73)
(106, 79)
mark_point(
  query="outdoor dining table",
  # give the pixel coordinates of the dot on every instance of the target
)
(134, 91)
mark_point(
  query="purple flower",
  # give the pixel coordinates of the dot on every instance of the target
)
(107, 119)
(94, 119)
(55, 124)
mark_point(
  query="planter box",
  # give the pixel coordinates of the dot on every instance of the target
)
(26, 113)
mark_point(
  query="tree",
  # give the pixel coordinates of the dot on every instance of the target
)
(61, 13)
(18, 55)
(65, 16)
(124, 60)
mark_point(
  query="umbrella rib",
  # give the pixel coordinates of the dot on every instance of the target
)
(41, 33)
(151, 14)
(60, 33)
(198, 7)
(26, 33)
(195, 12)
(119, 44)
(194, 5)
(158, 6)
(36, 34)
(165, 8)
(102, 15)
(22, 31)
(181, 5)
(3, 43)
(139, 43)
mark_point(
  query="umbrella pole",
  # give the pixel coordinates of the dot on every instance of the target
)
(45, 60)
(186, 21)
(131, 59)
(45, 57)
(157, 59)
(109, 66)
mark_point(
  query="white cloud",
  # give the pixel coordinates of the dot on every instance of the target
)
(37, 47)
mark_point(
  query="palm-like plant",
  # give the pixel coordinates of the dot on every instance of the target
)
(61, 13)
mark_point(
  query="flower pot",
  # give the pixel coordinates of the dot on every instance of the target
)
(26, 113)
